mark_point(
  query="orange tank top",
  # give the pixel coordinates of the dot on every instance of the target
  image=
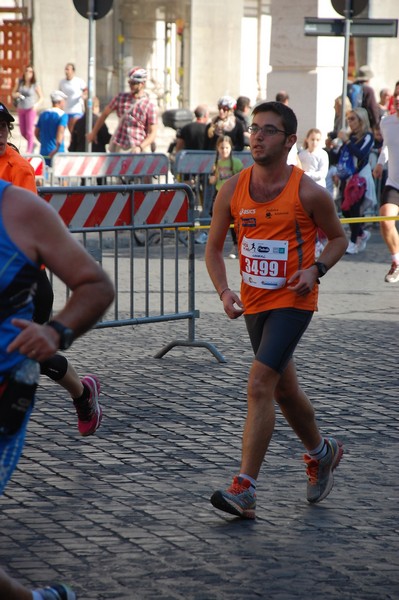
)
(275, 239)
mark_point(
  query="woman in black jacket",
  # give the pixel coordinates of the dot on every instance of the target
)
(225, 123)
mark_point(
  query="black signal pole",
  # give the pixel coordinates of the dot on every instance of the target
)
(90, 83)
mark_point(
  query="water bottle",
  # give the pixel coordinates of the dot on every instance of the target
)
(27, 372)
(17, 394)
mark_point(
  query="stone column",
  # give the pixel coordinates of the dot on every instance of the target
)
(215, 50)
(308, 68)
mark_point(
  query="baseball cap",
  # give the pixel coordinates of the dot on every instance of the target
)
(5, 115)
(137, 74)
(57, 96)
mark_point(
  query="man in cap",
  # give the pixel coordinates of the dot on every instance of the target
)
(50, 128)
(13, 167)
(362, 95)
(137, 127)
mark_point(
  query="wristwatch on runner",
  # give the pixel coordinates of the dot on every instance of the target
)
(66, 334)
(321, 268)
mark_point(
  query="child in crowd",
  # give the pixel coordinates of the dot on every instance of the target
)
(226, 165)
(315, 163)
(332, 145)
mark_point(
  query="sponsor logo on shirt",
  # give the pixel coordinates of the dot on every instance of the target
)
(248, 222)
(276, 213)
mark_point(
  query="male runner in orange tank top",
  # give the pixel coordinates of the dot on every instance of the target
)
(276, 210)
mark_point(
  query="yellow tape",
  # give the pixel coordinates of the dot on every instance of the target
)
(369, 219)
(343, 220)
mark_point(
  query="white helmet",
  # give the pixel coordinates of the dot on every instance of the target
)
(227, 101)
(137, 74)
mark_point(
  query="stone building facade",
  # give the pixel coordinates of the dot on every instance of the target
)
(198, 50)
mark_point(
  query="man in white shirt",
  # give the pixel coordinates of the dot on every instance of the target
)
(390, 197)
(75, 89)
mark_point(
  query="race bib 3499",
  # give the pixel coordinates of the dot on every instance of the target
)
(264, 263)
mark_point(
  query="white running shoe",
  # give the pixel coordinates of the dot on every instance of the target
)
(393, 274)
(352, 248)
(362, 240)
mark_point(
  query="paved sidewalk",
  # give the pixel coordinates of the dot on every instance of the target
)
(125, 514)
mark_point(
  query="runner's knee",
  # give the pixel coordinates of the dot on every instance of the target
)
(55, 367)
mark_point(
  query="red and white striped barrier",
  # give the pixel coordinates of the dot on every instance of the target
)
(109, 165)
(38, 164)
(113, 209)
(197, 162)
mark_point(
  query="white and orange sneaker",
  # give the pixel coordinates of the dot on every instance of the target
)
(237, 500)
(320, 472)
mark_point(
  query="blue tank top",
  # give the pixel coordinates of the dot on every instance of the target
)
(18, 282)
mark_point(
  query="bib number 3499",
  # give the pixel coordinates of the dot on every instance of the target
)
(264, 268)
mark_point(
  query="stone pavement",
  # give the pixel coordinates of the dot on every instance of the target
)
(125, 514)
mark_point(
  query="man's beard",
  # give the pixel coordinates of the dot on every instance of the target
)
(263, 160)
(268, 159)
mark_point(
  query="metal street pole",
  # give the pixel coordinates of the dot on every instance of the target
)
(348, 21)
(90, 82)
(121, 71)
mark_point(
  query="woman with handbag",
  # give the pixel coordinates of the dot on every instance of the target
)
(354, 171)
(27, 96)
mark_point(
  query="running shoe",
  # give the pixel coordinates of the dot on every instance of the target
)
(237, 500)
(393, 274)
(352, 248)
(57, 591)
(320, 472)
(89, 411)
(202, 238)
(362, 240)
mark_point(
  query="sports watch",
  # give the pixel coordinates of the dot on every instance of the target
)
(322, 268)
(66, 334)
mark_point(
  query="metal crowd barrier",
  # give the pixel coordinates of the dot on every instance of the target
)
(39, 166)
(194, 168)
(150, 280)
(71, 168)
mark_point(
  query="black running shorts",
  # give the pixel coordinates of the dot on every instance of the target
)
(274, 334)
(390, 195)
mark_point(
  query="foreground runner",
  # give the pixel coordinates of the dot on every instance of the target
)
(32, 232)
(83, 391)
(276, 211)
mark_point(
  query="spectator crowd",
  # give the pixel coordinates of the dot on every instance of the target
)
(352, 164)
